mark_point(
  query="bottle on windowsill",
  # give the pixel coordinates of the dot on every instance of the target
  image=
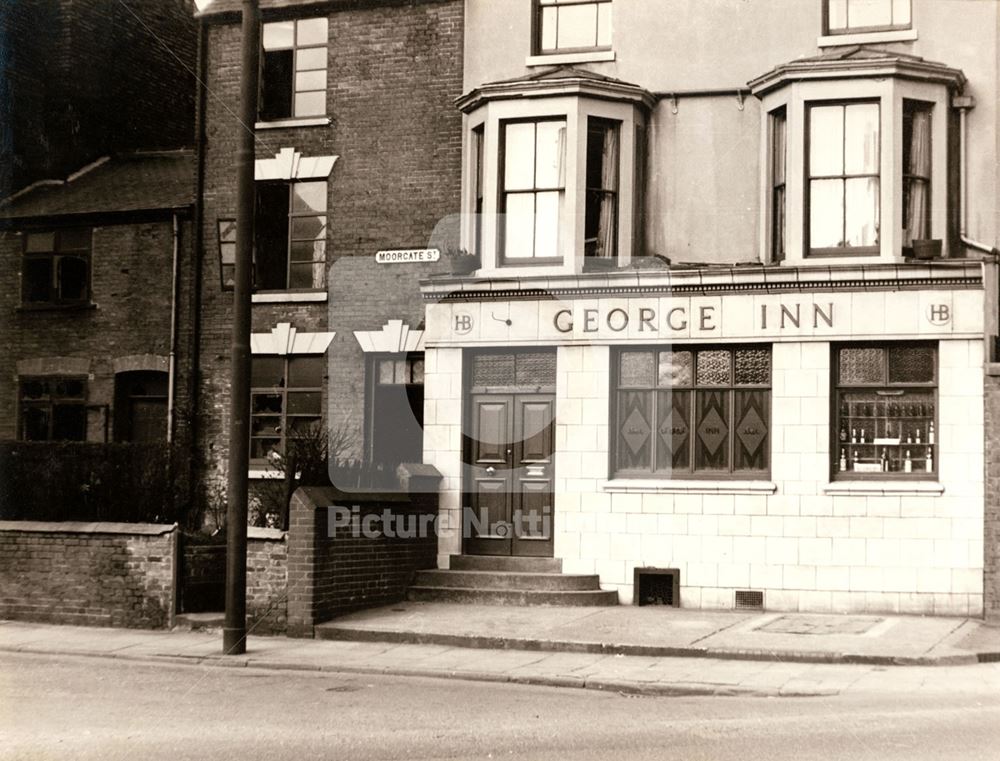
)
(885, 462)
(863, 439)
(918, 437)
(930, 434)
(908, 463)
(855, 459)
(854, 435)
(843, 434)
(929, 461)
(843, 460)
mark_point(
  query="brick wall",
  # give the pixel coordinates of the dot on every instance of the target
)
(130, 284)
(991, 528)
(88, 574)
(394, 70)
(267, 581)
(329, 575)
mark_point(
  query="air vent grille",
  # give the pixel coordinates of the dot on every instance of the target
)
(749, 599)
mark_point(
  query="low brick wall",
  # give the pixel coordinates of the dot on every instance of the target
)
(267, 581)
(335, 572)
(91, 574)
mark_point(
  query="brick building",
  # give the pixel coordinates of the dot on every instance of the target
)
(358, 151)
(736, 302)
(68, 97)
(98, 302)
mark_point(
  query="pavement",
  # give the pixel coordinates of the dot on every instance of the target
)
(627, 650)
(664, 632)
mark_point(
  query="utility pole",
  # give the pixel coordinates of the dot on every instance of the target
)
(235, 628)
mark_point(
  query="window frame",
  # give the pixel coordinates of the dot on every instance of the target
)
(893, 390)
(848, 29)
(295, 48)
(911, 106)
(50, 403)
(538, 29)
(528, 261)
(692, 472)
(778, 189)
(54, 256)
(842, 251)
(283, 390)
(290, 238)
(593, 124)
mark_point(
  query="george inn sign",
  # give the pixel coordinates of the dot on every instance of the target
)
(815, 316)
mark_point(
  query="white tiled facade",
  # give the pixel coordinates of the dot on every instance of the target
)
(808, 543)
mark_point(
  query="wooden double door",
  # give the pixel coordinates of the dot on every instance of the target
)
(509, 445)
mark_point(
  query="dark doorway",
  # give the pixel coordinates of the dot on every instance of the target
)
(396, 410)
(141, 406)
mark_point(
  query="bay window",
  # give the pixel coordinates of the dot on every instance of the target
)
(844, 178)
(855, 158)
(533, 182)
(692, 412)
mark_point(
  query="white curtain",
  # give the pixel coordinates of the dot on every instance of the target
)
(919, 168)
(609, 200)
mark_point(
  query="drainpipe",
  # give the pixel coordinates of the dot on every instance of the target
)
(964, 104)
(174, 298)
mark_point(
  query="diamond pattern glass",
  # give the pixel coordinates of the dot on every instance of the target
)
(714, 368)
(676, 368)
(862, 365)
(753, 367)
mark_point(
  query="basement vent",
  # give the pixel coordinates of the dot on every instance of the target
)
(749, 599)
(657, 586)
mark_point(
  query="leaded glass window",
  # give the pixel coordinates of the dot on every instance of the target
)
(686, 412)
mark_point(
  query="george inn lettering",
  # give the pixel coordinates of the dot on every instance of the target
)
(677, 319)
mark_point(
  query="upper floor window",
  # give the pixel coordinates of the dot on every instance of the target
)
(850, 16)
(285, 401)
(916, 171)
(290, 235)
(53, 409)
(692, 412)
(293, 74)
(844, 178)
(601, 214)
(533, 183)
(567, 26)
(56, 267)
(779, 158)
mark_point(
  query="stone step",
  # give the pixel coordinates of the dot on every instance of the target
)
(505, 563)
(195, 621)
(468, 595)
(507, 580)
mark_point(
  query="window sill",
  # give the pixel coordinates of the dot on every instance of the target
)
(885, 488)
(555, 59)
(312, 121)
(288, 297)
(866, 38)
(693, 486)
(57, 307)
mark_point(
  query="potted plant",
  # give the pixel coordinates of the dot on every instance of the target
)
(461, 261)
(927, 248)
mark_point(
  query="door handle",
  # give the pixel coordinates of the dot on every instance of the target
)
(490, 470)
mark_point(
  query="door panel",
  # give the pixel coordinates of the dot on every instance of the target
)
(509, 475)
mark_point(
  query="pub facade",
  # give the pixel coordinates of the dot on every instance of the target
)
(734, 314)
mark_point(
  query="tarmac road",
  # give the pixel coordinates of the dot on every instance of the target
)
(93, 708)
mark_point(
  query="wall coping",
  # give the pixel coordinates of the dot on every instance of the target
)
(80, 527)
(266, 534)
(692, 486)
